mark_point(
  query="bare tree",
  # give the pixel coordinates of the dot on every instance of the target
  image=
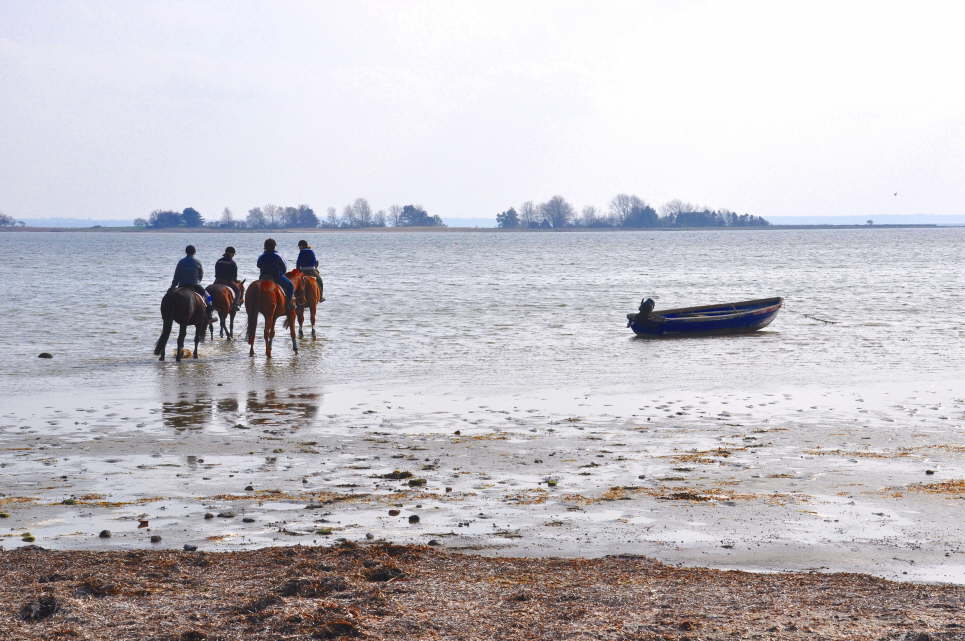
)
(362, 213)
(589, 217)
(272, 214)
(379, 219)
(331, 218)
(227, 219)
(528, 214)
(395, 211)
(557, 212)
(348, 217)
(256, 218)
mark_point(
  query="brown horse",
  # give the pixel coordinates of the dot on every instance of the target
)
(185, 306)
(268, 299)
(308, 295)
(223, 300)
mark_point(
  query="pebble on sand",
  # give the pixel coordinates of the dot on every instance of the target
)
(156, 538)
(45, 355)
(105, 534)
(190, 548)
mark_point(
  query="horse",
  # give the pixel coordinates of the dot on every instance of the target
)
(308, 295)
(267, 298)
(223, 299)
(185, 306)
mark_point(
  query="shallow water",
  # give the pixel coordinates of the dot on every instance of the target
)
(518, 341)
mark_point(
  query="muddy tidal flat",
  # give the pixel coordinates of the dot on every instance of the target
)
(381, 591)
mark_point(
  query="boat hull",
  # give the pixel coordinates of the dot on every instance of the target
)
(726, 318)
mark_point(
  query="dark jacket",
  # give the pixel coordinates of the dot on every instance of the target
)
(226, 269)
(272, 264)
(306, 258)
(188, 272)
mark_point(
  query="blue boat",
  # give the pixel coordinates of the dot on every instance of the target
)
(726, 318)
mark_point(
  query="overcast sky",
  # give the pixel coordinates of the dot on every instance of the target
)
(113, 109)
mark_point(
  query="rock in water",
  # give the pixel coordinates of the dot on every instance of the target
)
(45, 355)
(105, 534)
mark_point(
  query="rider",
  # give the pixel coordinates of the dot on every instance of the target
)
(308, 264)
(226, 273)
(189, 273)
(273, 267)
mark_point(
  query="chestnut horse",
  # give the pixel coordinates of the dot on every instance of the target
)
(308, 295)
(185, 306)
(268, 299)
(223, 300)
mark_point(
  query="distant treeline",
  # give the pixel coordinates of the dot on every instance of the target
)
(625, 211)
(9, 221)
(357, 215)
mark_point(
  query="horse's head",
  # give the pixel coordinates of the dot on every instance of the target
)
(241, 289)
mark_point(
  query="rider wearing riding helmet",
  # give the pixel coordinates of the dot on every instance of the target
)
(226, 273)
(307, 263)
(272, 267)
(189, 273)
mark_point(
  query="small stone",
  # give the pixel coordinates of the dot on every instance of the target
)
(226, 515)
(414, 518)
(105, 534)
(247, 519)
(434, 542)
(156, 538)
(29, 538)
(448, 489)
(45, 355)
(393, 513)
(4, 515)
(190, 548)
(369, 536)
(142, 523)
(457, 432)
(249, 488)
(208, 515)
(417, 482)
(929, 472)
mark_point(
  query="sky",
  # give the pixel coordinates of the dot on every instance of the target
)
(110, 110)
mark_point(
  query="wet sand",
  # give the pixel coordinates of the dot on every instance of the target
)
(864, 481)
(394, 592)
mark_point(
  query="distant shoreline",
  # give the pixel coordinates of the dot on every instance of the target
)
(315, 230)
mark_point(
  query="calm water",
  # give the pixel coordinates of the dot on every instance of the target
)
(484, 312)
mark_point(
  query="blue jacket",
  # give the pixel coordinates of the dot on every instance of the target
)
(188, 272)
(273, 264)
(306, 258)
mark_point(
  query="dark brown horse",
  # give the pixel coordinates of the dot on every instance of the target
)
(265, 297)
(223, 300)
(308, 295)
(184, 306)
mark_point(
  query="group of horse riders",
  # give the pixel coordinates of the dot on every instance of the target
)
(271, 266)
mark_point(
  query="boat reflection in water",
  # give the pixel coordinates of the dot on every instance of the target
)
(725, 318)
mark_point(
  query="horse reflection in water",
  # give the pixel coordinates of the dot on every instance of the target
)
(292, 410)
(187, 414)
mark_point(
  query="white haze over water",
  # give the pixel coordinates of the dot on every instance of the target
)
(113, 109)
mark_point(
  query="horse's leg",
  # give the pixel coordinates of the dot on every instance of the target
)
(162, 342)
(301, 321)
(199, 331)
(314, 308)
(231, 317)
(182, 332)
(252, 330)
(269, 332)
(291, 328)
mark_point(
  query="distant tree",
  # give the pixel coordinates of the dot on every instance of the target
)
(556, 212)
(361, 213)
(273, 214)
(378, 220)
(641, 215)
(227, 220)
(331, 218)
(256, 218)
(9, 221)
(192, 218)
(348, 217)
(416, 216)
(162, 219)
(395, 213)
(508, 219)
(140, 222)
(869, 222)
(306, 216)
(590, 217)
(529, 215)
